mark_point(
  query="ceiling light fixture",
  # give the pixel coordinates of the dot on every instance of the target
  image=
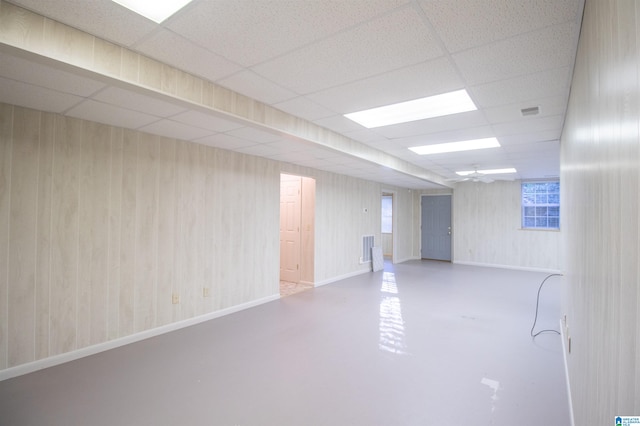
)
(488, 172)
(456, 146)
(155, 10)
(417, 109)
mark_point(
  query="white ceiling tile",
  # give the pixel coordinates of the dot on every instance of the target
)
(512, 113)
(434, 125)
(537, 51)
(30, 96)
(339, 124)
(355, 55)
(224, 141)
(257, 87)
(545, 84)
(453, 135)
(106, 19)
(552, 123)
(532, 148)
(172, 49)
(530, 137)
(260, 150)
(413, 82)
(366, 136)
(252, 31)
(173, 129)
(304, 108)
(110, 114)
(286, 145)
(206, 121)
(253, 134)
(481, 22)
(138, 102)
(393, 41)
(16, 68)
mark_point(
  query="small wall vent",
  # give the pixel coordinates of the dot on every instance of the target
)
(367, 244)
(530, 111)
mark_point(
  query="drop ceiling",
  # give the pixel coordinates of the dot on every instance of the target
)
(320, 59)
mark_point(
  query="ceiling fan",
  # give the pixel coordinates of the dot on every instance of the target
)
(476, 176)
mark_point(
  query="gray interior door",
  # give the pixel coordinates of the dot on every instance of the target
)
(436, 227)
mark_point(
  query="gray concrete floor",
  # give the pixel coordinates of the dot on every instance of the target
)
(422, 343)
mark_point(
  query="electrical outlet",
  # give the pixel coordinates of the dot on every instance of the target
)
(175, 299)
(205, 291)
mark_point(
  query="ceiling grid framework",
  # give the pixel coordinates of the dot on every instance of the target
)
(318, 60)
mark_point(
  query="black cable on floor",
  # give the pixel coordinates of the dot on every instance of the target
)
(535, 319)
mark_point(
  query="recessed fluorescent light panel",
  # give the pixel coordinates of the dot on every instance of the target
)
(418, 109)
(156, 10)
(488, 172)
(456, 146)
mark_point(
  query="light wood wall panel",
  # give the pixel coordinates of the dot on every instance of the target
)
(600, 166)
(6, 144)
(115, 159)
(65, 223)
(44, 234)
(100, 226)
(22, 236)
(487, 229)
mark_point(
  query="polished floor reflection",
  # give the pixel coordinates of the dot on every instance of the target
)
(420, 343)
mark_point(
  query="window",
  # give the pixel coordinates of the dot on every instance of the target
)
(387, 214)
(541, 205)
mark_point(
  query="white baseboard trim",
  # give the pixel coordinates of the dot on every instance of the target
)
(40, 364)
(566, 371)
(341, 277)
(405, 259)
(518, 268)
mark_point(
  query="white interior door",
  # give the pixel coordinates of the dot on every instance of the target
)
(290, 212)
(436, 227)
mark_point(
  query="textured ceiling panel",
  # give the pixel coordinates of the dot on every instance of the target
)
(532, 52)
(551, 123)
(225, 141)
(16, 68)
(553, 82)
(429, 126)
(174, 50)
(259, 88)
(556, 105)
(413, 82)
(255, 135)
(380, 45)
(480, 22)
(109, 114)
(206, 121)
(30, 96)
(173, 129)
(339, 124)
(318, 59)
(304, 108)
(104, 18)
(248, 32)
(132, 100)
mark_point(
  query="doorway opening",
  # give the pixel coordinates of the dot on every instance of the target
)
(435, 241)
(297, 233)
(387, 225)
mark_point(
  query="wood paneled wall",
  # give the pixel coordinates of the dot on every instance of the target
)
(487, 229)
(100, 226)
(601, 182)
